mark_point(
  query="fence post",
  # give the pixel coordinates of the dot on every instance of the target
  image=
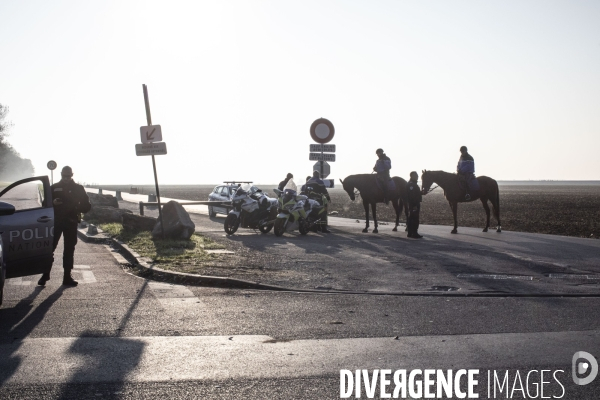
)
(141, 208)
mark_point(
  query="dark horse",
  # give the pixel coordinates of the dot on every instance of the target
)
(371, 193)
(454, 193)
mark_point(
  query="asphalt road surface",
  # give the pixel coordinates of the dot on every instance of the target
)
(120, 336)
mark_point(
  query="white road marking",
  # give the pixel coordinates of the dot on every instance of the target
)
(87, 276)
(179, 358)
(17, 282)
(174, 299)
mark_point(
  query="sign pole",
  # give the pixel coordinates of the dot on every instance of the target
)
(52, 177)
(321, 162)
(149, 119)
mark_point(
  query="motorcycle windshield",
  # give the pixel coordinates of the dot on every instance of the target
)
(291, 185)
(288, 195)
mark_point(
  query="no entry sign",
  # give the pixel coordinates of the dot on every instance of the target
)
(322, 131)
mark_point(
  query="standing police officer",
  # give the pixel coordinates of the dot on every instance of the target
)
(69, 200)
(382, 167)
(414, 206)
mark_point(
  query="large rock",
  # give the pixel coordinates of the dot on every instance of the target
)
(106, 214)
(177, 222)
(104, 200)
(137, 223)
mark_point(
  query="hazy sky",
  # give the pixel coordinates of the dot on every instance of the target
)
(235, 86)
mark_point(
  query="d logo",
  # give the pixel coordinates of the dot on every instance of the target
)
(580, 367)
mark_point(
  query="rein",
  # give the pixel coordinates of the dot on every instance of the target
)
(432, 189)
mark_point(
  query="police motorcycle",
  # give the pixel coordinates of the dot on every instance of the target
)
(296, 211)
(251, 209)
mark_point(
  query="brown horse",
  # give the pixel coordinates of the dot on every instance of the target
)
(454, 193)
(371, 193)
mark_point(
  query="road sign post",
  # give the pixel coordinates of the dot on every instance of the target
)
(149, 120)
(51, 166)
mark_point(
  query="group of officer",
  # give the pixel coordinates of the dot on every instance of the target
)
(69, 201)
(465, 170)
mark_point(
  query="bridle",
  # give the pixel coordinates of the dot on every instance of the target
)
(431, 189)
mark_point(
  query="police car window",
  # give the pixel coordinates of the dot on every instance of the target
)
(26, 196)
(225, 191)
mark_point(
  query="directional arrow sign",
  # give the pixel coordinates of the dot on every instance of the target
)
(151, 149)
(151, 133)
(326, 148)
(321, 157)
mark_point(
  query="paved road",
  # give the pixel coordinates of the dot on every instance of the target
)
(120, 336)
(471, 262)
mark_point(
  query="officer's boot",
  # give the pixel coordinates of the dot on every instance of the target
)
(68, 279)
(45, 278)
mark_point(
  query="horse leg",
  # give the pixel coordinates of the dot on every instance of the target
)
(366, 206)
(405, 205)
(374, 209)
(487, 213)
(453, 206)
(496, 207)
(397, 205)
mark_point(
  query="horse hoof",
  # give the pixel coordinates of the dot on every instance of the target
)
(395, 229)
(485, 229)
(365, 230)
(454, 231)
(375, 230)
(498, 230)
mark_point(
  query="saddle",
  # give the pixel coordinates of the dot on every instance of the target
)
(469, 182)
(391, 185)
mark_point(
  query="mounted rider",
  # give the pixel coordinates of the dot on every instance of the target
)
(466, 169)
(382, 167)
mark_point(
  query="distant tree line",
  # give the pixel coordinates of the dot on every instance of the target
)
(12, 165)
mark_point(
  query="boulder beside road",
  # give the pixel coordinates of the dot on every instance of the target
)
(106, 214)
(177, 223)
(137, 223)
(104, 200)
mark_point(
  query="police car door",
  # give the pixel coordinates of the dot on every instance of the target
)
(27, 235)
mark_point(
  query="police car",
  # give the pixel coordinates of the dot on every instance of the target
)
(223, 193)
(26, 229)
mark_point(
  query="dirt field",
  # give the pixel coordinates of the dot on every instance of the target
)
(570, 210)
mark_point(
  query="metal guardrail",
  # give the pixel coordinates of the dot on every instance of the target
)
(190, 203)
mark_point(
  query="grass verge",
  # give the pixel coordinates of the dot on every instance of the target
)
(178, 255)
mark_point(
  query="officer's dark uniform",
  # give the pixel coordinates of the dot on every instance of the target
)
(318, 186)
(73, 200)
(466, 169)
(414, 206)
(285, 181)
(382, 167)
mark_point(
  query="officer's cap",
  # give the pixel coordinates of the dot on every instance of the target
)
(66, 171)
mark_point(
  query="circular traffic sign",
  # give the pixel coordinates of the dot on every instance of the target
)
(51, 165)
(322, 131)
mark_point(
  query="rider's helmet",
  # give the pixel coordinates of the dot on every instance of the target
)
(379, 151)
(463, 149)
